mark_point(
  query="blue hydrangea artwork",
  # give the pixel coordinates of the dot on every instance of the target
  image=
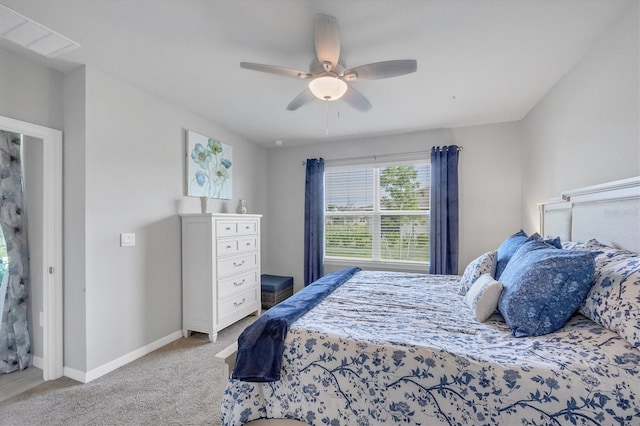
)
(209, 167)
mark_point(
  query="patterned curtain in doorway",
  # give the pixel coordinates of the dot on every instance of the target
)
(15, 344)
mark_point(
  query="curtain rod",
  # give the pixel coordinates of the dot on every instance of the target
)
(381, 156)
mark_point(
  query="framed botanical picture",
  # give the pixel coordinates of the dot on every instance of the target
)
(209, 167)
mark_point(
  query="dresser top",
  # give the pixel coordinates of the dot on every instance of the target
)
(222, 215)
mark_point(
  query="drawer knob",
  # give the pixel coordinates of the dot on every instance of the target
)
(235, 284)
(248, 244)
(238, 264)
(247, 227)
(227, 229)
(236, 304)
(228, 247)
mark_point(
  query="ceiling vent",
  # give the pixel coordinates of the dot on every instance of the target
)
(35, 37)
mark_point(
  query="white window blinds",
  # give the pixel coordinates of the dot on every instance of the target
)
(378, 212)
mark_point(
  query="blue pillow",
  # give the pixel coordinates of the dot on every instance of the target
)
(552, 241)
(506, 250)
(511, 244)
(543, 287)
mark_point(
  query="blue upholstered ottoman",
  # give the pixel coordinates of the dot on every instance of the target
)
(274, 289)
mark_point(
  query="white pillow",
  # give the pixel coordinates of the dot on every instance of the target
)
(483, 296)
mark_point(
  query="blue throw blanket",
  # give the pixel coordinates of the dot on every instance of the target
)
(261, 345)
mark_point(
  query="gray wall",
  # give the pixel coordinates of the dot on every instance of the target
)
(133, 171)
(30, 92)
(74, 234)
(585, 130)
(490, 200)
(123, 172)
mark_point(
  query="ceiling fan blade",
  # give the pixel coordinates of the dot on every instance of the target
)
(357, 100)
(303, 98)
(327, 41)
(289, 72)
(379, 70)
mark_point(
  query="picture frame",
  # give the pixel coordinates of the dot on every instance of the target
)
(209, 171)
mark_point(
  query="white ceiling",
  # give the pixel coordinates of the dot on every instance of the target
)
(479, 61)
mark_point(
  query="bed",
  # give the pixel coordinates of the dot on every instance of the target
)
(401, 348)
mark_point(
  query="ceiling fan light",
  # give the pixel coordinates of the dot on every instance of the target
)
(327, 88)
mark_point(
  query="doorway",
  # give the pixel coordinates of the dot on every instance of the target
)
(49, 224)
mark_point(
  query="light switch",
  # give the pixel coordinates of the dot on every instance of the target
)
(127, 240)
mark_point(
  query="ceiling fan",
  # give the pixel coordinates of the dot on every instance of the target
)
(328, 77)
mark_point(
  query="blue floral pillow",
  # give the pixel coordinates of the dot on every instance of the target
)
(543, 287)
(511, 244)
(614, 299)
(484, 264)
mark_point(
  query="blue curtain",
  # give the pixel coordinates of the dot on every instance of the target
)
(314, 221)
(444, 211)
(15, 344)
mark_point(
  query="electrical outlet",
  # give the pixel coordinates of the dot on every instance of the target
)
(127, 240)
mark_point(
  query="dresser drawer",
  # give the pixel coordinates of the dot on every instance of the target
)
(236, 283)
(247, 243)
(246, 299)
(236, 264)
(247, 227)
(226, 229)
(229, 246)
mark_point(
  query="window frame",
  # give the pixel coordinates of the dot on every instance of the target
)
(376, 215)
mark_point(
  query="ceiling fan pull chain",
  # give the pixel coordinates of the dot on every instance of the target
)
(327, 118)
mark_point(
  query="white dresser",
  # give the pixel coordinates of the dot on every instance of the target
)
(220, 271)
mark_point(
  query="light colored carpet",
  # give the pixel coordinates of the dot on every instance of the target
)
(178, 384)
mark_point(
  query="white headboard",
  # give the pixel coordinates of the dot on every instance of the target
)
(609, 212)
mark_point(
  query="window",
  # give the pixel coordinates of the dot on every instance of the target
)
(377, 213)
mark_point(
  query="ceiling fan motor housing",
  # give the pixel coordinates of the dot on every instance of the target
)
(316, 68)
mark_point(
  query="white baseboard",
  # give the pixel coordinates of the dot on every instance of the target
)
(119, 362)
(37, 362)
(74, 374)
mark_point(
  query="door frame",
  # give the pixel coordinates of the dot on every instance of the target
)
(52, 355)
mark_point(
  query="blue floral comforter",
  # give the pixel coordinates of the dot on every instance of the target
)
(395, 348)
